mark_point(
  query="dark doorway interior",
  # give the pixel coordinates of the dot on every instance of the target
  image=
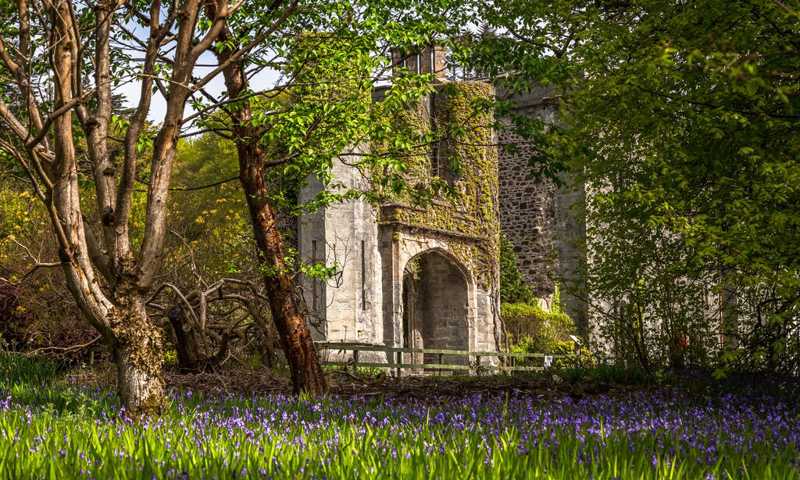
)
(435, 307)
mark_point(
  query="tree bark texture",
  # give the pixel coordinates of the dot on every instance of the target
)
(295, 336)
(293, 330)
(107, 279)
(138, 352)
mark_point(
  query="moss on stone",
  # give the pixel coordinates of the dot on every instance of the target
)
(466, 203)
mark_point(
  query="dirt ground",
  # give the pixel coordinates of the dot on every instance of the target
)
(248, 381)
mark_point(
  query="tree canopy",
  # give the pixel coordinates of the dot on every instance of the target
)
(682, 118)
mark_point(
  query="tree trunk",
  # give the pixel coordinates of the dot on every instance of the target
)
(190, 353)
(138, 353)
(729, 312)
(295, 336)
(266, 334)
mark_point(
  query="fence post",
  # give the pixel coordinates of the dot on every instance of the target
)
(439, 373)
(355, 361)
(399, 359)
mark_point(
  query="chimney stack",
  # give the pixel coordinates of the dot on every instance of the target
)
(429, 59)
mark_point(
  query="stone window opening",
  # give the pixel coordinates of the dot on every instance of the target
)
(442, 150)
(314, 281)
(363, 275)
(436, 167)
(441, 161)
(411, 61)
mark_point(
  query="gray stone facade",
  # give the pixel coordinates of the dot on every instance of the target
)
(528, 216)
(409, 279)
(347, 307)
(542, 220)
(399, 284)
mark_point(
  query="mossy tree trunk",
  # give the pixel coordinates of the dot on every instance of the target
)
(137, 347)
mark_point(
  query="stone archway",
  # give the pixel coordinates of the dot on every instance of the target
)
(435, 306)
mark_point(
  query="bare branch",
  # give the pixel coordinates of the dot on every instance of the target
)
(13, 123)
(258, 40)
(62, 110)
(180, 295)
(11, 150)
(137, 122)
(72, 348)
(200, 187)
(164, 147)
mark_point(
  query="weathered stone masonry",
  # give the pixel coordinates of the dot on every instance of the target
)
(543, 221)
(527, 215)
(429, 277)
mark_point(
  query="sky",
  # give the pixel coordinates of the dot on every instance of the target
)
(264, 80)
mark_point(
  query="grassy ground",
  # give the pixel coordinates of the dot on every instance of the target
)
(52, 428)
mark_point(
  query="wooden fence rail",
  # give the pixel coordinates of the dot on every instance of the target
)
(395, 358)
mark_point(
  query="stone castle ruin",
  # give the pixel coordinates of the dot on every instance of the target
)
(428, 277)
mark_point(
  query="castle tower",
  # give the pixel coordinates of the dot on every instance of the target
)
(429, 59)
(427, 276)
(418, 276)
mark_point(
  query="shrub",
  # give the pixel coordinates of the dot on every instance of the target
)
(533, 329)
(12, 316)
(513, 288)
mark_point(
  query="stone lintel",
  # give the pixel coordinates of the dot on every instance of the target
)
(439, 231)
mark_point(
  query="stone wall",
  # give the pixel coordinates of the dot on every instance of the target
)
(348, 306)
(570, 247)
(403, 244)
(542, 220)
(528, 205)
(443, 298)
(527, 217)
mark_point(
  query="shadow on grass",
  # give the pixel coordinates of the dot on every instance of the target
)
(40, 384)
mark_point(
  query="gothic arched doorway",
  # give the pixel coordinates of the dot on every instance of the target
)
(435, 307)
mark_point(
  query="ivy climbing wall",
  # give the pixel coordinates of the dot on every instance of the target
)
(462, 155)
(460, 223)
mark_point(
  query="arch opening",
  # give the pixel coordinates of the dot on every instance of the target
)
(435, 308)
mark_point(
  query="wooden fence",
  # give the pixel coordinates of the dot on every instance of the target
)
(397, 359)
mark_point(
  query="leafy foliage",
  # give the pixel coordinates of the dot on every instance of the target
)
(513, 288)
(530, 327)
(683, 122)
(534, 329)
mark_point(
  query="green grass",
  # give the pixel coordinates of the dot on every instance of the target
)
(50, 429)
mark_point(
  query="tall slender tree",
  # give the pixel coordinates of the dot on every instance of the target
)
(320, 112)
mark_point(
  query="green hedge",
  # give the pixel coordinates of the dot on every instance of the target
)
(533, 329)
(513, 288)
